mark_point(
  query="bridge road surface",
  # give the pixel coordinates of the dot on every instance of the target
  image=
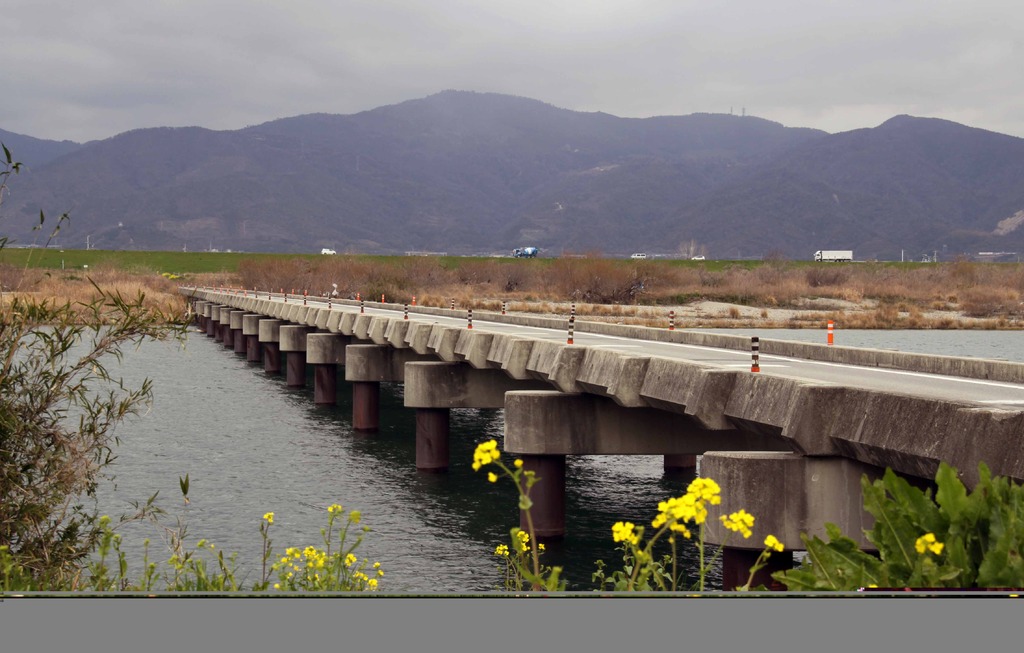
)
(983, 393)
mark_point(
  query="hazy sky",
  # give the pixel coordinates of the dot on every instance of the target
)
(81, 70)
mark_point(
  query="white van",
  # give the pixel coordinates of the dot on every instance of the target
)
(638, 256)
(327, 251)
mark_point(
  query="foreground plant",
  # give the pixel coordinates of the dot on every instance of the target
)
(643, 571)
(952, 538)
(206, 568)
(59, 405)
(329, 569)
(522, 561)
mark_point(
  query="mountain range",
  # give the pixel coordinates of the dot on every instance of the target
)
(479, 173)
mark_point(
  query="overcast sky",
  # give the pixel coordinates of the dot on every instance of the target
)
(80, 70)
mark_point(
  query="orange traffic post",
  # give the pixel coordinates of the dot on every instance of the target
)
(831, 338)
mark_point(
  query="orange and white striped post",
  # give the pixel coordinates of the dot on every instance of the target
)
(414, 300)
(572, 328)
(755, 348)
(453, 303)
(305, 294)
(831, 326)
(503, 306)
(406, 313)
(671, 320)
(382, 298)
(469, 318)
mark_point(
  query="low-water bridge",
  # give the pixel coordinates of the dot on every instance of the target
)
(788, 443)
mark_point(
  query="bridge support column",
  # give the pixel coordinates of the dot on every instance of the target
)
(200, 314)
(325, 352)
(788, 494)
(208, 320)
(366, 366)
(366, 405)
(432, 437)
(548, 496)
(681, 464)
(293, 344)
(225, 326)
(237, 339)
(433, 388)
(215, 329)
(269, 337)
(251, 333)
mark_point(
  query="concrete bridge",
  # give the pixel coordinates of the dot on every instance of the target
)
(789, 443)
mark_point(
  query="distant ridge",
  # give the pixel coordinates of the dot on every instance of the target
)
(468, 173)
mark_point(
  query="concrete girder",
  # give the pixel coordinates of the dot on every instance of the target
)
(557, 423)
(457, 385)
(616, 376)
(371, 363)
(473, 347)
(788, 494)
(512, 353)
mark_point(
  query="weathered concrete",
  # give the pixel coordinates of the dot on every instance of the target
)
(547, 495)
(433, 388)
(432, 439)
(379, 362)
(455, 385)
(293, 345)
(788, 494)
(269, 337)
(251, 333)
(325, 352)
(237, 338)
(551, 422)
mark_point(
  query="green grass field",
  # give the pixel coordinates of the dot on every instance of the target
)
(200, 262)
(132, 261)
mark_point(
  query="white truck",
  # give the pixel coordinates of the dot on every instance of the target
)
(833, 255)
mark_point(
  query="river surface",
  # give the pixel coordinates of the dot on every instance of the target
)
(251, 445)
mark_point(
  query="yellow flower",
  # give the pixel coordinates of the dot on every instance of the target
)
(350, 560)
(624, 532)
(492, 477)
(773, 542)
(501, 550)
(333, 508)
(927, 542)
(372, 583)
(518, 463)
(355, 516)
(740, 521)
(269, 517)
(485, 454)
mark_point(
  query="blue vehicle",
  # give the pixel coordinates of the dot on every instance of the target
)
(525, 252)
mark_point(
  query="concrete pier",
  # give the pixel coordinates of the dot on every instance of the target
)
(237, 339)
(269, 337)
(547, 495)
(251, 333)
(293, 345)
(788, 494)
(325, 352)
(432, 439)
(215, 330)
(366, 405)
(366, 366)
(434, 388)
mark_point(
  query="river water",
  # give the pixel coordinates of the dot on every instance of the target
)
(251, 445)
